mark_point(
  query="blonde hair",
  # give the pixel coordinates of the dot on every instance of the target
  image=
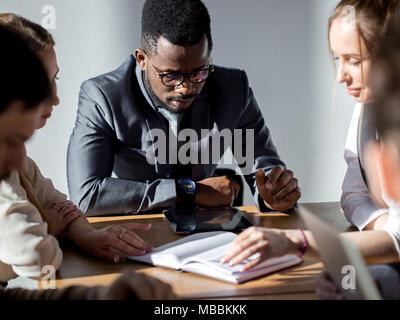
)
(373, 18)
(36, 37)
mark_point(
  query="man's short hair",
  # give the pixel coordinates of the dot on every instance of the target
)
(181, 22)
(22, 75)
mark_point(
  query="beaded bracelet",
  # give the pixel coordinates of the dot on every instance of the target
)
(305, 243)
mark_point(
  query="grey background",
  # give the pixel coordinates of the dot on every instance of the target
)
(282, 45)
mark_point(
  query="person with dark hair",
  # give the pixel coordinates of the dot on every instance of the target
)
(25, 89)
(27, 195)
(180, 27)
(26, 81)
(130, 121)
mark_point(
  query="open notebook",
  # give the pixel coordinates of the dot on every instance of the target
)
(201, 252)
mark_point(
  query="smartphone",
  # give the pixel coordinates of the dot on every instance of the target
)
(195, 220)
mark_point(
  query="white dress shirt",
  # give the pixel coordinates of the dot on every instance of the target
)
(356, 202)
(392, 225)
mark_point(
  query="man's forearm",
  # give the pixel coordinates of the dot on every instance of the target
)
(121, 196)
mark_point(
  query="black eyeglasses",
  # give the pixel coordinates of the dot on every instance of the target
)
(175, 79)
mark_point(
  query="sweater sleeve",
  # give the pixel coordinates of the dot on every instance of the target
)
(43, 187)
(70, 293)
(356, 202)
(25, 244)
(392, 226)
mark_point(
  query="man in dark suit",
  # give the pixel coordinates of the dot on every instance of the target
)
(136, 125)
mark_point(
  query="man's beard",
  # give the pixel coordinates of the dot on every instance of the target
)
(158, 103)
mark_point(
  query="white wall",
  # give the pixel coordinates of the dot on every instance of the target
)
(280, 43)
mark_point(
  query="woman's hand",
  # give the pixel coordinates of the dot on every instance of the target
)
(59, 215)
(112, 242)
(326, 289)
(268, 243)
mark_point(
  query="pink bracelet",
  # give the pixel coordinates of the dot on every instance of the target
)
(305, 243)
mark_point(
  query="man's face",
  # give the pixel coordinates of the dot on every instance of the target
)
(174, 59)
(16, 126)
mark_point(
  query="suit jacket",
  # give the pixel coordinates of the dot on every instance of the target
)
(107, 166)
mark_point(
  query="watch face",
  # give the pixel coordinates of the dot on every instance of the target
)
(187, 186)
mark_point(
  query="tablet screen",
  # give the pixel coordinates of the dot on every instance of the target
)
(206, 219)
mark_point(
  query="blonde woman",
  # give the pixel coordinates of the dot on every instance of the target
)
(355, 30)
(33, 213)
(354, 37)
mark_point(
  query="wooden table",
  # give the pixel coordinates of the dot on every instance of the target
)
(294, 283)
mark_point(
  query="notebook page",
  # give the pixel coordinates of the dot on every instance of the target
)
(212, 258)
(216, 273)
(171, 254)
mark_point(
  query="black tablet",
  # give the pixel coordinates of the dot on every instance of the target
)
(206, 219)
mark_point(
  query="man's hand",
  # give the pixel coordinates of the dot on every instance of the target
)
(216, 192)
(279, 189)
(59, 215)
(135, 286)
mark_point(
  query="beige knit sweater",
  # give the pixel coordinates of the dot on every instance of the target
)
(25, 245)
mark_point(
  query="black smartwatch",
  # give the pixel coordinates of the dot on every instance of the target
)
(186, 189)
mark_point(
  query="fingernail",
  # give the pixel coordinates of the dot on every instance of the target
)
(269, 185)
(231, 264)
(116, 259)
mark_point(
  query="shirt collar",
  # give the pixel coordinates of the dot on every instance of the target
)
(173, 118)
(139, 76)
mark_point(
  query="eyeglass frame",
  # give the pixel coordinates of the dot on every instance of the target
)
(162, 74)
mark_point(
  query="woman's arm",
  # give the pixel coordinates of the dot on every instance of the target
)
(64, 216)
(356, 202)
(51, 204)
(25, 244)
(269, 243)
(377, 246)
(111, 243)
